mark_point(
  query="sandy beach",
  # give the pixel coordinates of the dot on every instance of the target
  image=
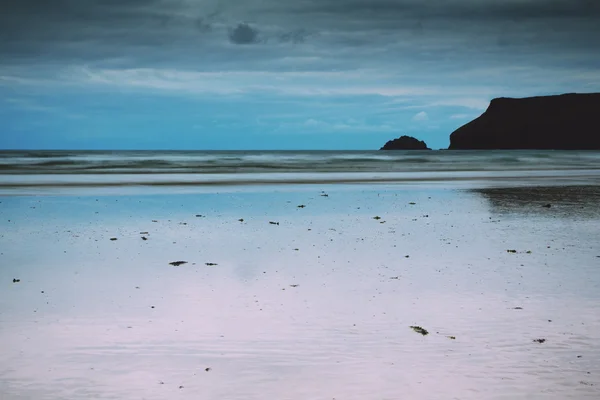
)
(302, 292)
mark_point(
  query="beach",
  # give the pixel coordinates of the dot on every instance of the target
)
(302, 292)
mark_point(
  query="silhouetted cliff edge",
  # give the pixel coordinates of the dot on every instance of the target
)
(564, 122)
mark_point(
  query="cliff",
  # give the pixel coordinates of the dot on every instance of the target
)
(405, 143)
(563, 122)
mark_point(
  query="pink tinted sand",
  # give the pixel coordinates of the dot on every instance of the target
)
(329, 320)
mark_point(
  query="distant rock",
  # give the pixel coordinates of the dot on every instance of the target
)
(563, 122)
(405, 143)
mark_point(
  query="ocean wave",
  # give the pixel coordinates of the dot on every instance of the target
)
(175, 162)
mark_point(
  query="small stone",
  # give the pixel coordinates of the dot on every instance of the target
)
(539, 340)
(273, 223)
(211, 264)
(452, 337)
(113, 239)
(241, 219)
(511, 251)
(377, 217)
(294, 285)
(144, 238)
(207, 369)
(301, 206)
(15, 280)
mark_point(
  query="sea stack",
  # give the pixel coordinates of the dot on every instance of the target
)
(405, 143)
(563, 122)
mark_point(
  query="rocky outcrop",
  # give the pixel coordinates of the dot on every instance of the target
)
(563, 122)
(405, 143)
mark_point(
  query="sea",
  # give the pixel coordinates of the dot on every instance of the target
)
(26, 171)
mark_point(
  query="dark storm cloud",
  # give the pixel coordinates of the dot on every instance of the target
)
(29, 26)
(326, 34)
(375, 10)
(52, 20)
(95, 28)
(243, 34)
(295, 36)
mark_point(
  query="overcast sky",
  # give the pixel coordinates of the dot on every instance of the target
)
(278, 74)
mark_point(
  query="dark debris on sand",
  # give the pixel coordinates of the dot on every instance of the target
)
(420, 330)
(539, 340)
(177, 263)
(15, 280)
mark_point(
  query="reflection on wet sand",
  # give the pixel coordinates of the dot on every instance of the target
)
(552, 201)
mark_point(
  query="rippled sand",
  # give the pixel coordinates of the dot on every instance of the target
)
(318, 306)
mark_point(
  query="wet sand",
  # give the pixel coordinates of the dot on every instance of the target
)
(316, 305)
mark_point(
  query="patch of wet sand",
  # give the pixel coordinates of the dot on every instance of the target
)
(319, 306)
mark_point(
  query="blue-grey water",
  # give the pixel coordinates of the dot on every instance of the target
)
(53, 169)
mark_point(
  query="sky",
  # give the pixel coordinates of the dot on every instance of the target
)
(278, 74)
